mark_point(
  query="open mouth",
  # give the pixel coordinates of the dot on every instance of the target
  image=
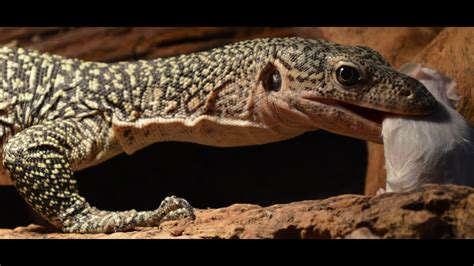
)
(351, 120)
(372, 115)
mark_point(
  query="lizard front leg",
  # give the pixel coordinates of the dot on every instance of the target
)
(39, 161)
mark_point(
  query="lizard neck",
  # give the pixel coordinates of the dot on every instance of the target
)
(202, 98)
(188, 87)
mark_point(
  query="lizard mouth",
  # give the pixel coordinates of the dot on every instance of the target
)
(350, 120)
(370, 115)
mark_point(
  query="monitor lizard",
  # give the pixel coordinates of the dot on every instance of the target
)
(60, 115)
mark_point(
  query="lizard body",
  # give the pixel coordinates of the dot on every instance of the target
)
(60, 115)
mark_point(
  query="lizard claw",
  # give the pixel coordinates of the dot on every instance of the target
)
(176, 208)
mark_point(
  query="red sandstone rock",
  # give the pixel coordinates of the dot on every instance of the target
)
(433, 211)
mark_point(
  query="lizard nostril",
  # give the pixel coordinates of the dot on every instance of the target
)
(405, 93)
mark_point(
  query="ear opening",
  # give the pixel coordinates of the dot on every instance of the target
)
(271, 78)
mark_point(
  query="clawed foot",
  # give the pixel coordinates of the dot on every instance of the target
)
(176, 208)
(92, 220)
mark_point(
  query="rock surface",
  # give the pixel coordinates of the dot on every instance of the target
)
(433, 211)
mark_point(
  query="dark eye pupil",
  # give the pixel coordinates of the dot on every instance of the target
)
(347, 75)
(276, 80)
(273, 82)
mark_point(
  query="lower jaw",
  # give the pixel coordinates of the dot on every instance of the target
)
(353, 121)
(362, 133)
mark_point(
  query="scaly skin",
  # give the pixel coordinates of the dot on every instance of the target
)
(61, 115)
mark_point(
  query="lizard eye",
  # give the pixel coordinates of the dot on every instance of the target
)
(348, 75)
(272, 79)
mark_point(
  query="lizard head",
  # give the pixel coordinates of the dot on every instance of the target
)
(347, 90)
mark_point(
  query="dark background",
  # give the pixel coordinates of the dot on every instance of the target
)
(313, 166)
